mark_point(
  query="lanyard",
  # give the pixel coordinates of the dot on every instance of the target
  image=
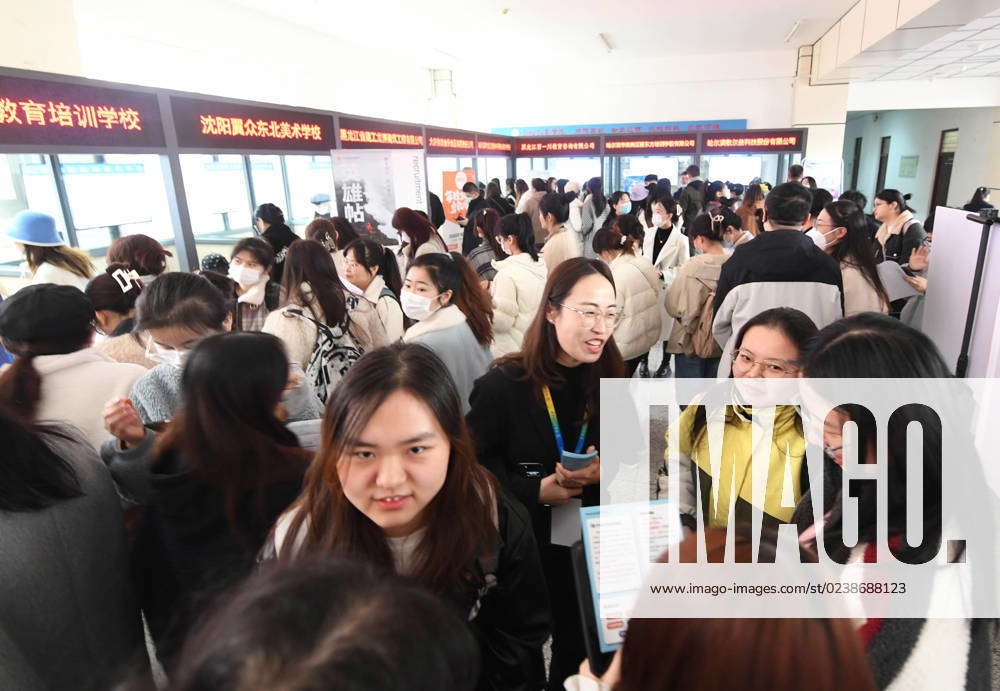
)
(555, 424)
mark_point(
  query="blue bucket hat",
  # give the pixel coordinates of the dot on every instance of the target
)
(34, 228)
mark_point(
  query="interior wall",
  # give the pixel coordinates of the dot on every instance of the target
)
(918, 133)
(755, 86)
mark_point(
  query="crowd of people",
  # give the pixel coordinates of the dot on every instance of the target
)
(322, 462)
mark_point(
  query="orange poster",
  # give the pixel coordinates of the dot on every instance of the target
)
(455, 203)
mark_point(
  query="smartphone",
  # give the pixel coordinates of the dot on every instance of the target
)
(531, 471)
(157, 426)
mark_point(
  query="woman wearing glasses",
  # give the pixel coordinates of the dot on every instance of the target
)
(769, 346)
(535, 415)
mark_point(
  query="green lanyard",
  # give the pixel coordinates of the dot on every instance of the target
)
(555, 424)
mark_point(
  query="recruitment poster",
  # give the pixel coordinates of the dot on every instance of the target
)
(455, 205)
(371, 185)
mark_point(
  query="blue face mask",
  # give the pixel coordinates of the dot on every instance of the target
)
(626, 208)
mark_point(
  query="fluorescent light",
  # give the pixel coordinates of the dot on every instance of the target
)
(792, 32)
(606, 41)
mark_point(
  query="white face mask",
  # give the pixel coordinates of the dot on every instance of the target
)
(416, 307)
(819, 237)
(502, 246)
(657, 220)
(174, 358)
(243, 275)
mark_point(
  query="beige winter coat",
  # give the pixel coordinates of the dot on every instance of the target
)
(517, 291)
(562, 244)
(859, 294)
(388, 310)
(76, 386)
(299, 335)
(638, 288)
(686, 297)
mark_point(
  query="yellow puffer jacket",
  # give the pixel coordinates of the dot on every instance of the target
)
(734, 476)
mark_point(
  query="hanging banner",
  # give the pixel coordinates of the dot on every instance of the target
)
(455, 205)
(40, 112)
(371, 185)
(223, 125)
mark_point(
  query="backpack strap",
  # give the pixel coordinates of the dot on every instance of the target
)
(387, 293)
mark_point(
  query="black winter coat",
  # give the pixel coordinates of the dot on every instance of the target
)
(510, 425)
(187, 552)
(514, 620)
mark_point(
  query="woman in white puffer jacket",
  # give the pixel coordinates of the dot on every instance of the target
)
(638, 286)
(518, 285)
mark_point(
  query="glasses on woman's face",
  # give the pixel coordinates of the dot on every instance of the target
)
(744, 362)
(589, 316)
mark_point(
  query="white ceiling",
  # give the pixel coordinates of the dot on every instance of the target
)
(972, 50)
(522, 33)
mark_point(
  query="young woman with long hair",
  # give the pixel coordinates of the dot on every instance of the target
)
(593, 214)
(452, 316)
(770, 345)
(215, 481)
(269, 222)
(335, 234)
(70, 618)
(396, 484)
(372, 269)
(419, 237)
(313, 287)
(517, 287)
(944, 653)
(840, 231)
(484, 227)
(47, 256)
(553, 383)
(900, 232)
(751, 210)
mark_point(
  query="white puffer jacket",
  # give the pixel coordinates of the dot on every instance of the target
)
(638, 287)
(517, 292)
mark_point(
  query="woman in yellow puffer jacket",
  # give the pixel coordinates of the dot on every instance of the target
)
(769, 346)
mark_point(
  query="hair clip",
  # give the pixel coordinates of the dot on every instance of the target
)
(124, 279)
(622, 242)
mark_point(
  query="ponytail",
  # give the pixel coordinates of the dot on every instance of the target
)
(519, 227)
(557, 205)
(21, 387)
(629, 231)
(901, 200)
(597, 198)
(453, 272)
(373, 255)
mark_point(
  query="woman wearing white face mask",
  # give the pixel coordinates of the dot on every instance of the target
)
(452, 312)
(257, 295)
(176, 311)
(840, 231)
(518, 285)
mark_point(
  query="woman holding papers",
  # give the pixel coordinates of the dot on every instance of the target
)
(396, 484)
(840, 231)
(535, 421)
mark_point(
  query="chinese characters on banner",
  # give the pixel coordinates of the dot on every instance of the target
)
(48, 113)
(222, 125)
(31, 113)
(370, 186)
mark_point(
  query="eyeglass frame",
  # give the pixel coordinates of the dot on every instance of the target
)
(618, 317)
(795, 364)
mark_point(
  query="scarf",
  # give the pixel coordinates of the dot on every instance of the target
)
(894, 227)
